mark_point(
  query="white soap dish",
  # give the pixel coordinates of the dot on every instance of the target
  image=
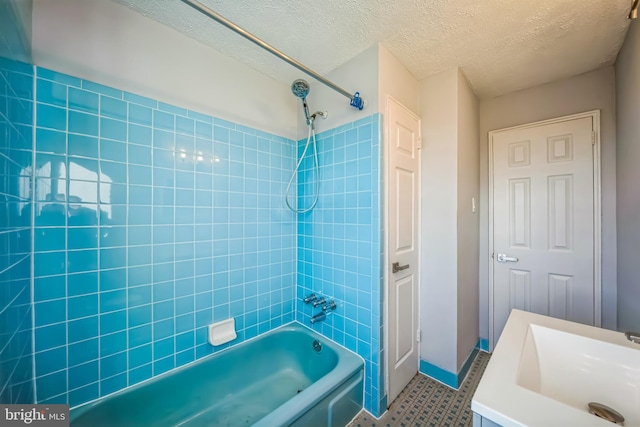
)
(222, 332)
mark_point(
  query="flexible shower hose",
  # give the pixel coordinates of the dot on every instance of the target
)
(312, 135)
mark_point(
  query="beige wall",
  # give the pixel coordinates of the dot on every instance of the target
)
(396, 81)
(585, 92)
(351, 77)
(468, 221)
(108, 43)
(438, 260)
(449, 260)
(628, 178)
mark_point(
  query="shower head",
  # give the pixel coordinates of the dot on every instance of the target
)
(300, 88)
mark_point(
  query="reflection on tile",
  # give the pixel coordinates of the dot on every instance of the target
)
(125, 240)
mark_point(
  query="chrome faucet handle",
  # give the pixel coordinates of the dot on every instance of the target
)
(309, 298)
(634, 337)
(330, 306)
(318, 302)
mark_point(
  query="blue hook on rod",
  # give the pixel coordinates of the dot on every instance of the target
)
(356, 101)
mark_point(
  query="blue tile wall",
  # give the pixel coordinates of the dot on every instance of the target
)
(151, 221)
(16, 128)
(340, 243)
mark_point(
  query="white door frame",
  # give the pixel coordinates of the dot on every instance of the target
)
(385, 215)
(597, 208)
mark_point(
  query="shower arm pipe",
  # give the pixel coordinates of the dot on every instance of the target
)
(355, 99)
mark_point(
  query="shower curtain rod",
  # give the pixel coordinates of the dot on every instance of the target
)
(356, 100)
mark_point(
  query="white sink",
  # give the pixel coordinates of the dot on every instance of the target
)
(544, 372)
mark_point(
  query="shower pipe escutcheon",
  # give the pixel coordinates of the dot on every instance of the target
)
(309, 298)
(355, 99)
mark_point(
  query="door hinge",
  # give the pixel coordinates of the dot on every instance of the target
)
(593, 137)
(419, 143)
(418, 335)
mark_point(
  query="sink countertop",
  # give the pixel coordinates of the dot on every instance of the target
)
(501, 397)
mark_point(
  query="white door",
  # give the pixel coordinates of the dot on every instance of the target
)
(544, 240)
(402, 248)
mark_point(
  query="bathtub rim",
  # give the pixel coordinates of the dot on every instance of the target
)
(322, 387)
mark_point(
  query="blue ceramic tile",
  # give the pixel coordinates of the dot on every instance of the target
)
(140, 374)
(105, 90)
(84, 394)
(163, 348)
(163, 139)
(82, 260)
(164, 121)
(52, 336)
(185, 125)
(83, 146)
(83, 100)
(116, 172)
(49, 263)
(140, 335)
(221, 134)
(82, 284)
(113, 129)
(163, 365)
(140, 115)
(141, 100)
(139, 175)
(139, 154)
(113, 279)
(204, 130)
(139, 295)
(113, 108)
(112, 301)
(163, 329)
(50, 361)
(86, 124)
(139, 315)
(83, 351)
(51, 117)
(113, 365)
(113, 343)
(51, 93)
(113, 150)
(55, 76)
(81, 375)
(50, 312)
(81, 238)
(82, 306)
(199, 116)
(140, 356)
(172, 109)
(113, 384)
(82, 329)
(141, 135)
(48, 288)
(139, 275)
(51, 385)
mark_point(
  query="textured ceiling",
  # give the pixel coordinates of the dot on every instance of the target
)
(501, 45)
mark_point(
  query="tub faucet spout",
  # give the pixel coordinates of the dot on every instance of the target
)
(318, 317)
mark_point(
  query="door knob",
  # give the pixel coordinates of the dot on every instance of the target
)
(395, 267)
(505, 258)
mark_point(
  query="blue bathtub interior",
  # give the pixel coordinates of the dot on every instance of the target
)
(277, 379)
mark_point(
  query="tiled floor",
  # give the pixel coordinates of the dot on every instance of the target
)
(426, 402)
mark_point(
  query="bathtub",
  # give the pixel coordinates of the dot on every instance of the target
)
(290, 376)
